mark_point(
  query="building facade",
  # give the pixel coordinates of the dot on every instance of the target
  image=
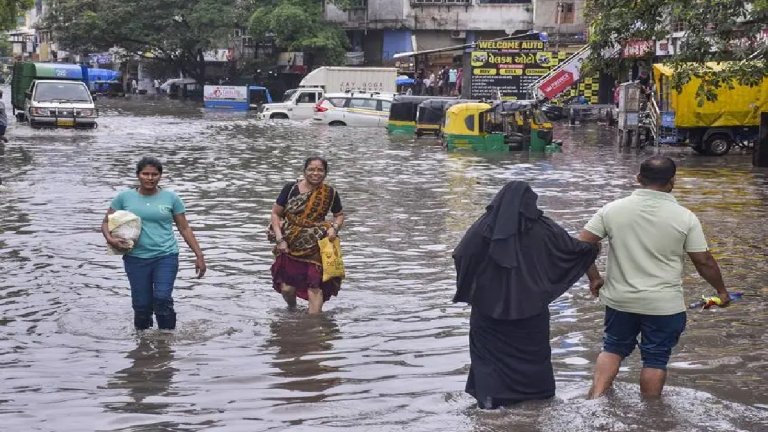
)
(379, 29)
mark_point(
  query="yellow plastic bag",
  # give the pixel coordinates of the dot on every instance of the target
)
(330, 254)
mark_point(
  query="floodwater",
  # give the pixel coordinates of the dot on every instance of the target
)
(391, 352)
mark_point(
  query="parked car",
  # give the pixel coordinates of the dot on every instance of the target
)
(364, 109)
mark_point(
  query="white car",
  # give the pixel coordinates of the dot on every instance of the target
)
(354, 109)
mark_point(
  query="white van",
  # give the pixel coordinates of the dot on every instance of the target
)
(298, 104)
(59, 103)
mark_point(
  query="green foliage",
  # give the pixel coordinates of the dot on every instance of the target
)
(725, 31)
(5, 46)
(297, 25)
(10, 10)
(173, 31)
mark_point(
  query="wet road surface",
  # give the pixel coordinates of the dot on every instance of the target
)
(391, 352)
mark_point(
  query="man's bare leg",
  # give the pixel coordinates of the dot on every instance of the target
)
(289, 295)
(652, 382)
(606, 369)
(315, 300)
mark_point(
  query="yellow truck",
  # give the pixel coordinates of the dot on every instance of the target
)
(713, 128)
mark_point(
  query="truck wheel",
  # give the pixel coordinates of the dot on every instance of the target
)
(20, 116)
(699, 149)
(718, 144)
(278, 116)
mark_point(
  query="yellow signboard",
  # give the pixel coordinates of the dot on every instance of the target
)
(484, 72)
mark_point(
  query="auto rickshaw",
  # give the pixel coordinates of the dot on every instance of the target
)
(402, 114)
(429, 115)
(467, 127)
(497, 126)
(529, 120)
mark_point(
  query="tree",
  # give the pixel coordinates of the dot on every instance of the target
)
(177, 32)
(10, 11)
(729, 31)
(297, 25)
(5, 47)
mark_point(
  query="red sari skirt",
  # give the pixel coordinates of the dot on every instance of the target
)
(302, 275)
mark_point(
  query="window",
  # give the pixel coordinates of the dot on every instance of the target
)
(307, 98)
(385, 106)
(469, 122)
(363, 104)
(503, 1)
(567, 13)
(437, 2)
(337, 102)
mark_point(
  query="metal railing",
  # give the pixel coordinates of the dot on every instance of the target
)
(654, 117)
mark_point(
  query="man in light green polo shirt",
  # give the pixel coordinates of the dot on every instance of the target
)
(649, 234)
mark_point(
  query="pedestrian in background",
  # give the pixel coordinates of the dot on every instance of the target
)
(510, 265)
(3, 119)
(649, 234)
(297, 223)
(152, 264)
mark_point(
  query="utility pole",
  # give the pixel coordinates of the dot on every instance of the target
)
(558, 19)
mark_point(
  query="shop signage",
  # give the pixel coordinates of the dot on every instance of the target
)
(507, 68)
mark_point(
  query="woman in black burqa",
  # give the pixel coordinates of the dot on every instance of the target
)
(512, 262)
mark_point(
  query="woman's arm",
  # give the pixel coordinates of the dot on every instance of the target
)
(116, 242)
(277, 223)
(186, 232)
(595, 280)
(338, 221)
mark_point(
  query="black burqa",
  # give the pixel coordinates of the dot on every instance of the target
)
(511, 263)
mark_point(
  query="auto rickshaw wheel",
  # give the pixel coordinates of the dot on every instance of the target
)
(718, 144)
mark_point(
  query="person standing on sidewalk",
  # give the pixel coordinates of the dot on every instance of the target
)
(649, 234)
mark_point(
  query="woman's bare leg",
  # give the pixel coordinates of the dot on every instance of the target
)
(289, 295)
(315, 300)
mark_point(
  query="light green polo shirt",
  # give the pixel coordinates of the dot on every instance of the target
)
(648, 234)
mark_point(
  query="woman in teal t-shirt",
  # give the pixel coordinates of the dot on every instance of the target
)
(152, 264)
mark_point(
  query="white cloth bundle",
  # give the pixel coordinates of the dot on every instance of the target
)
(125, 225)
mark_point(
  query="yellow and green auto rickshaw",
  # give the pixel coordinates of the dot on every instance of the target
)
(529, 120)
(466, 127)
(429, 115)
(402, 114)
(497, 126)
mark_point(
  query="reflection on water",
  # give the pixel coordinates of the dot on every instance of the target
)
(150, 374)
(303, 343)
(390, 353)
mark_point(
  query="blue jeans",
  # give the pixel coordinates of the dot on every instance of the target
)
(658, 335)
(152, 282)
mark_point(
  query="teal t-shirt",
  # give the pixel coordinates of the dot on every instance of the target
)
(156, 213)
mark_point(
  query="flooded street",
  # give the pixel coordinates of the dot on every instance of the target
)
(391, 351)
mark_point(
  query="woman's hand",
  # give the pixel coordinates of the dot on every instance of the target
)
(119, 243)
(200, 266)
(331, 233)
(595, 285)
(282, 246)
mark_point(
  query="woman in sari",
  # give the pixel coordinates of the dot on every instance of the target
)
(511, 264)
(298, 222)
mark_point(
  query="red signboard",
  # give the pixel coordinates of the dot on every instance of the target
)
(557, 83)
